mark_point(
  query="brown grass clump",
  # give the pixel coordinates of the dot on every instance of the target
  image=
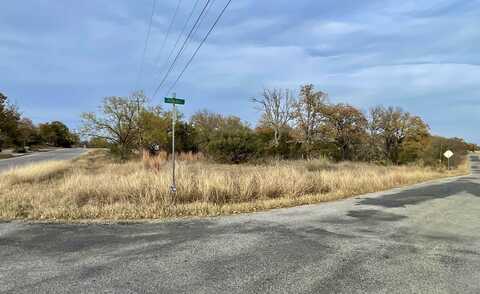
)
(190, 156)
(158, 161)
(154, 162)
(95, 187)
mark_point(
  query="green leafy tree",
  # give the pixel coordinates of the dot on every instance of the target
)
(233, 146)
(224, 138)
(433, 152)
(117, 122)
(157, 129)
(57, 134)
(185, 135)
(98, 143)
(155, 125)
(9, 119)
(287, 148)
(2, 140)
(205, 123)
(3, 100)
(26, 133)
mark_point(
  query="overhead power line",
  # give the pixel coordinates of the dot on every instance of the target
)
(167, 61)
(201, 21)
(199, 24)
(212, 2)
(147, 39)
(199, 46)
(181, 49)
(170, 26)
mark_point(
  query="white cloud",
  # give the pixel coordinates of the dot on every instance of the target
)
(333, 28)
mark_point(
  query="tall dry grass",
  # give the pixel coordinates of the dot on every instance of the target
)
(33, 173)
(156, 162)
(94, 187)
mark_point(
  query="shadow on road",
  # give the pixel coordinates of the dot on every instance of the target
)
(423, 194)
(469, 184)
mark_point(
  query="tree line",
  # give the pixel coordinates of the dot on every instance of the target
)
(291, 126)
(20, 133)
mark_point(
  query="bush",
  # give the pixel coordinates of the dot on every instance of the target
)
(287, 148)
(433, 152)
(233, 146)
(20, 149)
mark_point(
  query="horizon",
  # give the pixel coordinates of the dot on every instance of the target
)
(62, 58)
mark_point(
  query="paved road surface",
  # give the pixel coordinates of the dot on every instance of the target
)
(424, 239)
(62, 154)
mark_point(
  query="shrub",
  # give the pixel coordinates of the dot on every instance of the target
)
(233, 146)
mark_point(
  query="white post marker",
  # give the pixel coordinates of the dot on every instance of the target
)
(448, 154)
(174, 101)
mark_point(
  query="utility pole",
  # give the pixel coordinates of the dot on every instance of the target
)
(174, 101)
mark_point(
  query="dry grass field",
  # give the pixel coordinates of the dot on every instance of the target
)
(95, 187)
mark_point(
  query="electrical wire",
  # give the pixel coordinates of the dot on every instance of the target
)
(201, 21)
(199, 46)
(147, 39)
(167, 61)
(170, 26)
(181, 49)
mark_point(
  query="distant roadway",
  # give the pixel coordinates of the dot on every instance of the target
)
(60, 154)
(420, 239)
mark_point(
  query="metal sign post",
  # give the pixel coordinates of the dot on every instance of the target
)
(173, 188)
(448, 154)
(174, 101)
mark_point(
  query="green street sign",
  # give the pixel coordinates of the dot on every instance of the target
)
(174, 101)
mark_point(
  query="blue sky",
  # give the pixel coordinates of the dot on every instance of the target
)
(59, 58)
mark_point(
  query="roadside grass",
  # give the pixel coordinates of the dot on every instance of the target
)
(5, 156)
(96, 187)
(34, 173)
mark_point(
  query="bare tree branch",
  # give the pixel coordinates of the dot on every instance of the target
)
(276, 106)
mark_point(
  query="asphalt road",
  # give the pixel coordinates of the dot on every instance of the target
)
(61, 154)
(423, 239)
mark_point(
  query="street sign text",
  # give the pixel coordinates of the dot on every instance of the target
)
(174, 101)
